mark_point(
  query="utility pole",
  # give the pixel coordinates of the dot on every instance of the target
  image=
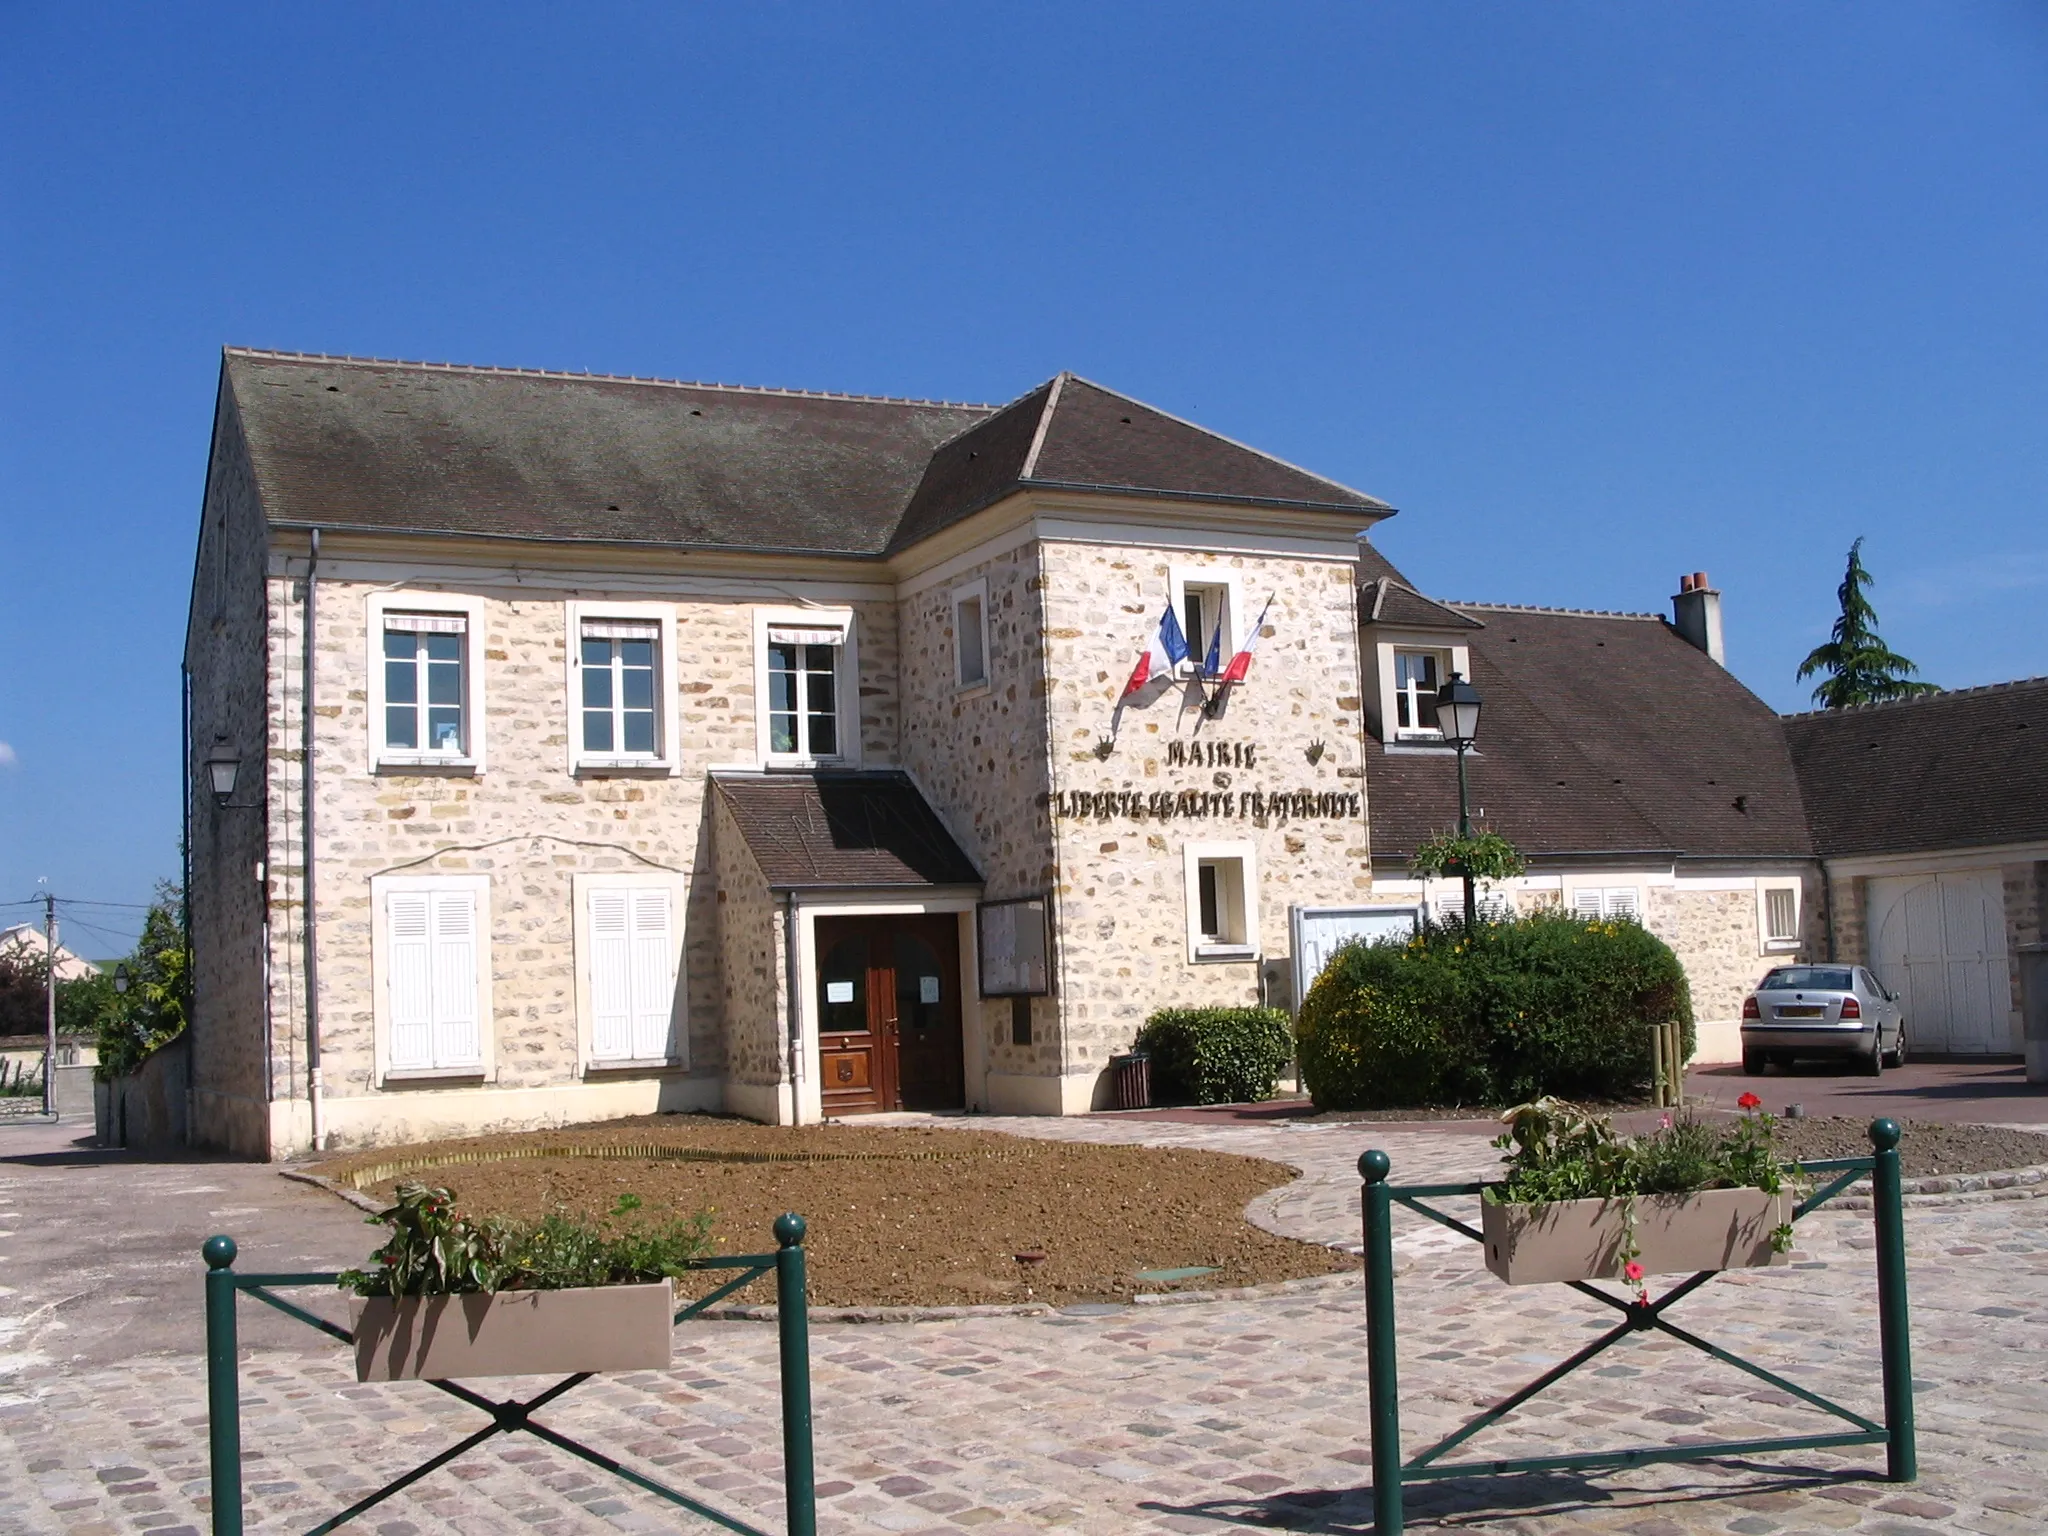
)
(50, 994)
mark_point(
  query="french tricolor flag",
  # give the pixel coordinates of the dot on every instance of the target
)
(1169, 648)
(1241, 663)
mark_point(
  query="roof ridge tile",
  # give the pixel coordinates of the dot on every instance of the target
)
(609, 378)
(1923, 698)
(1576, 613)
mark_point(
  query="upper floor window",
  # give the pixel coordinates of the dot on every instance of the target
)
(970, 635)
(622, 713)
(426, 686)
(618, 688)
(1417, 676)
(809, 706)
(1207, 602)
(423, 690)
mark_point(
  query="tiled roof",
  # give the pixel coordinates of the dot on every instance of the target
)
(1600, 734)
(1966, 769)
(1389, 601)
(845, 829)
(417, 447)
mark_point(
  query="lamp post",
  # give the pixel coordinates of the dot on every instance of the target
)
(222, 769)
(1457, 716)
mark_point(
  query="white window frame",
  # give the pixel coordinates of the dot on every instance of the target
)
(1767, 942)
(1181, 577)
(677, 1057)
(1450, 658)
(975, 592)
(1201, 948)
(382, 888)
(471, 610)
(1611, 901)
(846, 689)
(665, 760)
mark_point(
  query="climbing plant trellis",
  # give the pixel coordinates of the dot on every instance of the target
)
(1895, 1433)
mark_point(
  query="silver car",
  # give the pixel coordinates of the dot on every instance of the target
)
(1822, 1010)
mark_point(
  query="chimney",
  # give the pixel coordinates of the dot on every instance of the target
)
(1696, 614)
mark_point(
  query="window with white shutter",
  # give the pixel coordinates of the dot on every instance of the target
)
(1592, 901)
(431, 970)
(632, 973)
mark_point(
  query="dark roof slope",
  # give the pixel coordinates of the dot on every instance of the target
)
(845, 829)
(408, 446)
(1966, 769)
(1600, 734)
(353, 443)
(1389, 600)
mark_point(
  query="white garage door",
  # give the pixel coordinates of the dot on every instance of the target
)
(1939, 941)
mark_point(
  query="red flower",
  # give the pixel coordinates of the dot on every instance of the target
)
(1633, 1271)
(1748, 1101)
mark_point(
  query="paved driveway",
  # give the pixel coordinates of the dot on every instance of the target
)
(1230, 1415)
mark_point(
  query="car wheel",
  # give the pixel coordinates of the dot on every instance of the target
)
(1873, 1064)
(1899, 1047)
(1753, 1063)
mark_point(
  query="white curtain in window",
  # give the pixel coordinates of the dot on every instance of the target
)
(631, 982)
(433, 956)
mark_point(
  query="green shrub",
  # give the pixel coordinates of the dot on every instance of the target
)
(1216, 1055)
(1497, 1014)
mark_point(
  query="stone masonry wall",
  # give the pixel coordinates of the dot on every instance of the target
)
(226, 654)
(979, 755)
(1717, 937)
(754, 993)
(1122, 904)
(525, 821)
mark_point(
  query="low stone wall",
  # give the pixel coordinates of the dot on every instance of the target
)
(145, 1110)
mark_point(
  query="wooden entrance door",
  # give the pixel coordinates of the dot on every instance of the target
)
(888, 993)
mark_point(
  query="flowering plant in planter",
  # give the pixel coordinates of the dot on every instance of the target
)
(436, 1250)
(450, 1295)
(1566, 1165)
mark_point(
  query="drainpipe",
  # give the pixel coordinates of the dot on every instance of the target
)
(185, 877)
(794, 1001)
(307, 919)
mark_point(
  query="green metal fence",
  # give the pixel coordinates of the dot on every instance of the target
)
(1895, 1433)
(223, 1387)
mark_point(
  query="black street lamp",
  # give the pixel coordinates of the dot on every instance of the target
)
(121, 982)
(1457, 716)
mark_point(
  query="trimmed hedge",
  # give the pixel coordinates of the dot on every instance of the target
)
(1216, 1055)
(1500, 1014)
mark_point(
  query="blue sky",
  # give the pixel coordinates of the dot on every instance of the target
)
(1596, 294)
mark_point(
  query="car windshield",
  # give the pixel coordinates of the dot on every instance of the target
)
(1807, 978)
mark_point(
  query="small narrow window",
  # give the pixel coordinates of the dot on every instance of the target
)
(620, 666)
(1207, 625)
(423, 683)
(803, 692)
(1781, 917)
(1221, 925)
(1417, 676)
(970, 636)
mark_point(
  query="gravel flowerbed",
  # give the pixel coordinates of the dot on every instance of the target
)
(1927, 1147)
(898, 1216)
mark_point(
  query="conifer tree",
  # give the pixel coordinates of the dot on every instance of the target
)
(1860, 668)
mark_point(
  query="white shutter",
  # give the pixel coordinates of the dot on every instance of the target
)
(653, 983)
(611, 989)
(410, 968)
(1621, 901)
(1586, 901)
(458, 1042)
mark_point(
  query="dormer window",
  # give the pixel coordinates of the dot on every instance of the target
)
(1417, 676)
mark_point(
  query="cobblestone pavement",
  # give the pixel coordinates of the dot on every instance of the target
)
(1244, 1414)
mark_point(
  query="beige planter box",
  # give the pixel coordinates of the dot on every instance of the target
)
(514, 1333)
(1676, 1234)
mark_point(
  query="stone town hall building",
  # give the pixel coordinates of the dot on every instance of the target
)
(678, 746)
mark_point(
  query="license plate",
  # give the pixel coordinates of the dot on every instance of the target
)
(1800, 1013)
